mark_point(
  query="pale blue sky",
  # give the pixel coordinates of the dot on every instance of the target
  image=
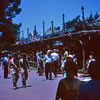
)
(34, 12)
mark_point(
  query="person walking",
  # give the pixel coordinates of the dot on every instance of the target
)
(23, 69)
(40, 63)
(91, 58)
(55, 56)
(5, 66)
(14, 69)
(48, 60)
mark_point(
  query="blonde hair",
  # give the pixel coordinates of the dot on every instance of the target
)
(66, 54)
(49, 51)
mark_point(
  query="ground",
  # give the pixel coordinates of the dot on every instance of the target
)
(38, 88)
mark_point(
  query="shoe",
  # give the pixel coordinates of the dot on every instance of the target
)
(55, 76)
(24, 86)
(50, 79)
(14, 88)
(40, 74)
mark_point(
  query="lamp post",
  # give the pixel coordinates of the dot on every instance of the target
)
(82, 8)
(52, 26)
(28, 32)
(63, 16)
(43, 29)
(22, 36)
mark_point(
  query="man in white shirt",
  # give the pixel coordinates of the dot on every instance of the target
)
(55, 57)
(48, 65)
(90, 60)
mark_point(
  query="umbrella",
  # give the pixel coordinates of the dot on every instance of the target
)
(5, 51)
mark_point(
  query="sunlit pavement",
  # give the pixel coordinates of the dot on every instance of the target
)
(38, 88)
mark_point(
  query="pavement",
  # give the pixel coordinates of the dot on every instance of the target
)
(38, 88)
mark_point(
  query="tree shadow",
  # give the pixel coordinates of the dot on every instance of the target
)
(9, 78)
(49, 79)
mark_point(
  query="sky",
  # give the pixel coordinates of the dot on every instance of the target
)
(34, 12)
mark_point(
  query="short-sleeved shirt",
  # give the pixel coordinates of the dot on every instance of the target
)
(55, 56)
(48, 58)
(90, 62)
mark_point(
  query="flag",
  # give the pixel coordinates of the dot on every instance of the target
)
(33, 38)
(17, 42)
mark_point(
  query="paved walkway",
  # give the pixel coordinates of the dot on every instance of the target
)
(38, 88)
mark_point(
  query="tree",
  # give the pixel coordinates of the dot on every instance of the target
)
(72, 23)
(96, 16)
(8, 10)
(90, 19)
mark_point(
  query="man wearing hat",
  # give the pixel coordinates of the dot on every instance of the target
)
(55, 56)
(48, 60)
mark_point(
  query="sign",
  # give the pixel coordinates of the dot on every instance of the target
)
(57, 43)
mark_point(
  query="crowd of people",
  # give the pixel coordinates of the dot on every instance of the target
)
(70, 87)
(15, 65)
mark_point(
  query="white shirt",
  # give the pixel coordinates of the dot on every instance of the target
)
(89, 62)
(48, 58)
(55, 56)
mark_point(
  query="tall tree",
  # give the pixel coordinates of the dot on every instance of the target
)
(90, 19)
(8, 10)
(96, 16)
(72, 23)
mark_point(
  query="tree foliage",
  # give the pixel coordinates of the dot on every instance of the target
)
(90, 19)
(96, 16)
(73, 22)
(8, 10)
(76, 21)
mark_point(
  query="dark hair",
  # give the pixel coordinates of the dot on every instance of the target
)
(94, 70)
(71, 65)
(24, 56)
(15, 55)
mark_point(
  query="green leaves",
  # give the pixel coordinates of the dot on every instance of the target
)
(8, 10)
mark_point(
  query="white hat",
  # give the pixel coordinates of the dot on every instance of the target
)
(66, 53)
(70, 56)
(49, 51)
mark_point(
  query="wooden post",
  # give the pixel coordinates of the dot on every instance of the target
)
(83, 52)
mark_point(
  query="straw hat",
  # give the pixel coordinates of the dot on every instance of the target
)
(66, 53)
(70, 56)
(49, 51)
